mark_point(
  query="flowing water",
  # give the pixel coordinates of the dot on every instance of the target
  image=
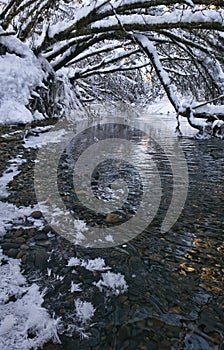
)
(175, 278)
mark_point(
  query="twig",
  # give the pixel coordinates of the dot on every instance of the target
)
(205, 103)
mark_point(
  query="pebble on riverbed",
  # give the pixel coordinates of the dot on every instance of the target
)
(36, 214)
(28, 244)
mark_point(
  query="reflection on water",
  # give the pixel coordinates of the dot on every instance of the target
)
(175, 296)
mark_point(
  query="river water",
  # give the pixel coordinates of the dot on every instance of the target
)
(175, 278)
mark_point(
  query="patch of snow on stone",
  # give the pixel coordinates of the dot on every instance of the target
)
(84, 311)
(24, 316)
(12, 215)
(112, 283)
(8, 175)
(74, 261)
(75, 287)
(97, 264)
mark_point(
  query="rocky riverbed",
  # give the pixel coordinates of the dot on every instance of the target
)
(154, 300)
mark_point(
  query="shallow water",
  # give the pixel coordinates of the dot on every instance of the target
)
(175, 278)
(175, 296)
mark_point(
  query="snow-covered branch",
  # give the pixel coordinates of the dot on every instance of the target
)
(150, 50)
(96, 51)
(176, 46)
(105, 62)
(110, 69)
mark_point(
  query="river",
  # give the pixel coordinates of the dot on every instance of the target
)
(174, 298)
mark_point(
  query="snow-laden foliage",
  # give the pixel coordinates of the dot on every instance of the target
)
(120, 49)
(24, 323)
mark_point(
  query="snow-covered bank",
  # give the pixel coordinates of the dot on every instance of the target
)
(20, 72)
(161, 107)
(9, 174)
(13, 217)
(24, 323)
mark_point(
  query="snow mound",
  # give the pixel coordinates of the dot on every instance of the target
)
(24, 323)
(12, 112)
(20, 72)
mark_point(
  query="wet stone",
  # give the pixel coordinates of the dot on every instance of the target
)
(24, 259)
(113, 218)
(7, 246)
(50, 346)
(47, 229)
(19, 255)
(40, 237)
(19, 240)
(8, 235)
(30, 232)
(40, 258)
(44, 243)
(19, 233)
(12, 253)
(154, 284)
(36, 214)
(24, 247)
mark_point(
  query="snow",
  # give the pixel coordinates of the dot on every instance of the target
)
(44, 138)
(84, 311)
(163, 107)
(12, 112)
(93, 51)
(59, 27)
(109, 238)
(173, 18)
(97, 264)
(20, 73)
(117, 55)
(63, 222)
(8, 175)
(209, 108)
(74, 262)
(41, 37)
(112, 283)
(75, 287)
(13, 216)
(25, 315)
(197, 121)
(217, 123)
(38, 116)
(163, 75)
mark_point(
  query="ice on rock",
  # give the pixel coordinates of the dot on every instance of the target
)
(112, 283)
(75, 287)
(84, 311)
(97, 264)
